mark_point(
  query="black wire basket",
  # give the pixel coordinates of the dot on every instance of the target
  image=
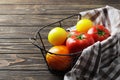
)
(40, 40)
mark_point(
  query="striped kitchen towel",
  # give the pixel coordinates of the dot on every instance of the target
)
(100, 61)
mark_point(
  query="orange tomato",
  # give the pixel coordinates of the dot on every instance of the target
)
(57, 36)
(57, 62)
(84, 25)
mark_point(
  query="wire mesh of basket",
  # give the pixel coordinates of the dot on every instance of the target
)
(40, 40)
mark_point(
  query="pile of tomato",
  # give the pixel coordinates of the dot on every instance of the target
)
(68, 42)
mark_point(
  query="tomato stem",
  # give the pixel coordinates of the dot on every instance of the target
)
(80, 36)
(100, 32)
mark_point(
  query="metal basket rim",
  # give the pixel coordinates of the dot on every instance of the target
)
(57, 22)
(33, 40)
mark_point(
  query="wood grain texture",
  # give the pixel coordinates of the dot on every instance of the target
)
(17, 32)
(28, 75)
(19, 21)
(45, 9)
(29, 19)
(22, 62)
(71, 2)
(39, 9)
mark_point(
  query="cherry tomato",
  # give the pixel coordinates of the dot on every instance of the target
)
(57, 36)
(99, 32)
(78, 42)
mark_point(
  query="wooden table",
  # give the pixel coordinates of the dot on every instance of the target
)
(19, 20)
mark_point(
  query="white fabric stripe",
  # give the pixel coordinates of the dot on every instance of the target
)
(110, 49)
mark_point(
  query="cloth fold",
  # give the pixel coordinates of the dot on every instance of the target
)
(100, 61)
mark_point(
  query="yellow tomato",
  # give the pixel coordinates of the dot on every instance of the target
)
(57, 36)
(84, 25)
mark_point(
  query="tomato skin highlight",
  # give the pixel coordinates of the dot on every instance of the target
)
(99, 33)
(79, 42)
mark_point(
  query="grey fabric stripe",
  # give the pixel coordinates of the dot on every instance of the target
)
(107, 73)
(116, 75)
(106, 18)
(102, 63)
(111, 72)
(96, 65)
(86, 67)
(109, 52)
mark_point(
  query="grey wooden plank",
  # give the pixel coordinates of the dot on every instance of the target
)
(17, 32)
(19, 46)
(21, 62)
(15, 35)
(40, 9)
(12, 48)
(59, 2)
(14, 29)
(29, 19)
(28, 75)
(15, 40)
(45, 9)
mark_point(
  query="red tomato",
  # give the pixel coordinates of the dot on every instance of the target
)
(99, 32)
(78, 42)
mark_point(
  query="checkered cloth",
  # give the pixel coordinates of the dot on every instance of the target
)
(100, 61)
